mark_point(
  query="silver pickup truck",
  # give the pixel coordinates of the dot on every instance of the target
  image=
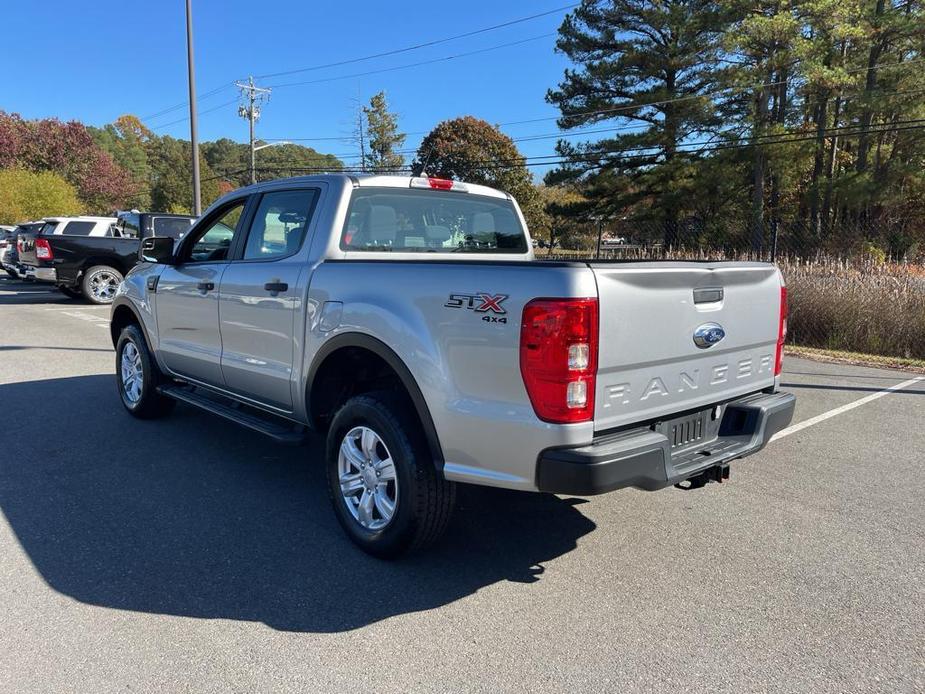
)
(408, 319)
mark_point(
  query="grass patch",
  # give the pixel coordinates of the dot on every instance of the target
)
(856, 359)
(856, 306)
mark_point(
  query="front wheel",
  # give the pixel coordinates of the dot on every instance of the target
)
(387, 494)
(137, 377)
(100, 283)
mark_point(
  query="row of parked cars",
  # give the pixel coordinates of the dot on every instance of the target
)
(84, 256)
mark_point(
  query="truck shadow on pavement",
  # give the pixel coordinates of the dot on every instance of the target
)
(193, 516)
(16, 292)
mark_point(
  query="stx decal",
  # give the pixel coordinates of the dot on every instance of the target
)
(481, 302)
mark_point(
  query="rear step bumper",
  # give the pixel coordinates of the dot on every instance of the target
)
(643, 458)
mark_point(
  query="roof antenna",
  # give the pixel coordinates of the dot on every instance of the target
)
(420, 169)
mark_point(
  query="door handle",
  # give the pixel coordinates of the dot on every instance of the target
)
(276, 287)
(206, 286)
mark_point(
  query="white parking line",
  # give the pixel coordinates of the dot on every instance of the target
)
(794, 428)
(87, 317)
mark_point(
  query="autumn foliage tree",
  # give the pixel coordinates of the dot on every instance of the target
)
(68, 150)
(473, 150)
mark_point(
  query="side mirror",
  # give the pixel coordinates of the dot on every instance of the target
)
(157, 249)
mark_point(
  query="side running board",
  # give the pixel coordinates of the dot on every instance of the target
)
(276, 428)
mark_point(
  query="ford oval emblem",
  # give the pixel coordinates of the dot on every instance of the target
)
(708, 335)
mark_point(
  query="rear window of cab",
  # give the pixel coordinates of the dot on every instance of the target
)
(427, 221)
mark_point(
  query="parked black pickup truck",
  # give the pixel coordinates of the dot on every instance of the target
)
(93, 266)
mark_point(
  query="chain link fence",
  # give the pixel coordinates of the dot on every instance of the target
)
(856, 287)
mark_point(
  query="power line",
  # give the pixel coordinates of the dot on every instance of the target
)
(383, 54)
(363, 74)
(578, 131)
(186, 118)
(705, 95)
(740, 142)
(411, 65)
(557, 160)
(176, 107)
(418, 46)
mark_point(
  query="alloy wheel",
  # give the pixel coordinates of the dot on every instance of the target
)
(368, 483)
(132, 374)
(103, 285)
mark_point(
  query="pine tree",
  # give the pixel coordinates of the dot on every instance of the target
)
(647, 67)
(384, 139)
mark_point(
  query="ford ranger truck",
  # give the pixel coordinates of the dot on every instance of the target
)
(407, 319)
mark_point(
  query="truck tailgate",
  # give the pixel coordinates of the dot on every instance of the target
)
(26, 245)
(649, 366)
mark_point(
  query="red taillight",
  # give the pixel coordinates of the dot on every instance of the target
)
(43, 250)
(440, 183)
(781, 333)
(558, 358)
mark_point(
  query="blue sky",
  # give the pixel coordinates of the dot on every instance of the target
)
(95, 61)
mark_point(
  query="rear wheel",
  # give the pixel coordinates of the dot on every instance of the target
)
(12, 274)
(387, 493)
(100, 283)
(137, 377)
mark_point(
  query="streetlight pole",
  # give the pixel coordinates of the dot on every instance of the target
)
(193, 125)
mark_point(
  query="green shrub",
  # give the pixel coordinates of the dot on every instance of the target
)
(25, 195)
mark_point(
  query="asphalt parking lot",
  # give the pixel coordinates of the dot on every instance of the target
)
(188, 554)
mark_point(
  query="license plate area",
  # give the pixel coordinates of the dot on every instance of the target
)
(690, 430)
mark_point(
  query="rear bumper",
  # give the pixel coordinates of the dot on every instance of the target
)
(643, 458)
(46, 274)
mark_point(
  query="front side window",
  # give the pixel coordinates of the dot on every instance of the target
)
(213, 241)
(428, 221)
(129, 225)
(280, 224)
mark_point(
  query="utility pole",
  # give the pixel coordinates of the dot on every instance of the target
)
(193, 126)
(362, 136)
(254, 96)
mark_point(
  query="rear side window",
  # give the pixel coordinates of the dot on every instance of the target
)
(172, 227)
(129, 226)
(280, 224)
(47, 228)
(427, 221)
(78, 228)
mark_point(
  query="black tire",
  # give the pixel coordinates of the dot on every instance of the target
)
(150, 404)
(12, 274)
(425, 500)
(70, 293)
(96, 276)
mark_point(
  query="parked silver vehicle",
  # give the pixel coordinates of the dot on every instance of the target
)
(408, 319)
